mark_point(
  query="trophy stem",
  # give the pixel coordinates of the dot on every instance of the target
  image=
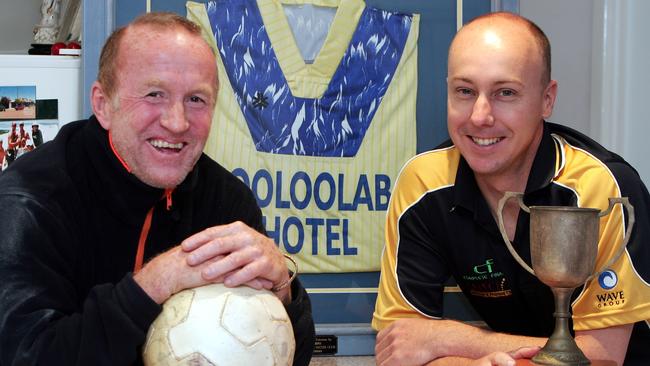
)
(561, 348)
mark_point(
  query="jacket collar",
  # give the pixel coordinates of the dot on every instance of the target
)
(121, 192)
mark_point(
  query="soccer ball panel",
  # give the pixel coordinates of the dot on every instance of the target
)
(246, 318)
(274, 307)
(216, 325)
(284, 346)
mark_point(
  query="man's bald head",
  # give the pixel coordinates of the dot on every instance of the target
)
(505, 22)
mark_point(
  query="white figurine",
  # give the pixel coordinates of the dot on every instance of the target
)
(46, 31)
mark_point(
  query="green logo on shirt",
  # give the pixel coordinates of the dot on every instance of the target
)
(485, 267)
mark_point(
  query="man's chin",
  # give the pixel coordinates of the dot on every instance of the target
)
(162, 181)
(483, 168)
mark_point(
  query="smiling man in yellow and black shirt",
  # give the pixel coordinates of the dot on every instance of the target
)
(441, 221)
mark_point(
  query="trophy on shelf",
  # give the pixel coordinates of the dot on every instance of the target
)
(563, 248)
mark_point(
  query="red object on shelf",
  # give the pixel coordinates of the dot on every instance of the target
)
(56, 47)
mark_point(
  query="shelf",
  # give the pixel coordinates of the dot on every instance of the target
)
(39, 61)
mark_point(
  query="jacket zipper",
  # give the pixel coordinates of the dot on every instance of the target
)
(139, 255)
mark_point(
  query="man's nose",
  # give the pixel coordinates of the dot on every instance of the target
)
(482, 112)
(173, 119)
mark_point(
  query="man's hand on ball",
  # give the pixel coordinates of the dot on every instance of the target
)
(236, 254)
(167, 274)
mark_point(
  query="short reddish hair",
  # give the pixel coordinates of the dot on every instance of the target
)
(107, 75)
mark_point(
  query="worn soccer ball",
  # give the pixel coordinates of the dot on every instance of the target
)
(217, 325)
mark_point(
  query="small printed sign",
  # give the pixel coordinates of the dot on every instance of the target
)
(326, 345)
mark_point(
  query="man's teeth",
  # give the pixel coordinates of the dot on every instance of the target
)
(486, 142)
(166, 145)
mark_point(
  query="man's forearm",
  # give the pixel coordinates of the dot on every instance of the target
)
(464, 340)
(450, 361)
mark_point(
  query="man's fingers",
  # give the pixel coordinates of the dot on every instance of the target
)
(209, 234)
(243, 274)
(217, 247)
(382, 334)
(260, 284)
(237, 255)
(525, 352)
(254, 284)
(243, 264)
(503, 359)
(381, 344)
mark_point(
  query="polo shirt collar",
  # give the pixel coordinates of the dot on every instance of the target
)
(466, 191)
(468, 196)
(547, 163)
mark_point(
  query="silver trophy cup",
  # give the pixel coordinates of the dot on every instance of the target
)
(563, 248)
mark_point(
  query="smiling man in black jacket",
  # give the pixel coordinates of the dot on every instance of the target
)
(121, 211)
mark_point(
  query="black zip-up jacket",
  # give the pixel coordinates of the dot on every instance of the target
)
(70, 221)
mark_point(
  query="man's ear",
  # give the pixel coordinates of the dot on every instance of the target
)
(101, 104)
(549, 98)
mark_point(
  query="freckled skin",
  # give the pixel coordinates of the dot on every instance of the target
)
(164, 95)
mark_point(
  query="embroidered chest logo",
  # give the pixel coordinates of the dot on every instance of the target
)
(485, 281)
(260, 101)
(609, 299)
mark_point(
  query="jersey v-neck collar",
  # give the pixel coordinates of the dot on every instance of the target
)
(310, 80)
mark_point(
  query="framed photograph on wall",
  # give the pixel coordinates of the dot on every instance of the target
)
(17, 102)
(20, 137)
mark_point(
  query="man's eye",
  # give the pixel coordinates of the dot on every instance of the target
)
(195, 99)
(507, 93)
(154, 94)
(465, 91)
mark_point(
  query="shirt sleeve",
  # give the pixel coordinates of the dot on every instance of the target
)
(413, 273)
(299, 311)
(620, 293)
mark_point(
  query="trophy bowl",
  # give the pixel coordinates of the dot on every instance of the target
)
(561, 255)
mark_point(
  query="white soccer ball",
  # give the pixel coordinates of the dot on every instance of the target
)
(217, 325)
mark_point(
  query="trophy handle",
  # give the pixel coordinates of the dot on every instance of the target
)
(630, 224)
(502, 202)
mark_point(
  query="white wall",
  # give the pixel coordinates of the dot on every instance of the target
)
(620, 79)
(17, 21)
(601, 58)
(635, 87)
(568, 25)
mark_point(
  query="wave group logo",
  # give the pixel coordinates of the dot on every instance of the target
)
(608, 279)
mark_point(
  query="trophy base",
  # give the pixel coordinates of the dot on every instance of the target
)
(560, 349)
(560, 358)
(593, 363)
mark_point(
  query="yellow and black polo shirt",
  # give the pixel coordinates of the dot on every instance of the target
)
(439, 226)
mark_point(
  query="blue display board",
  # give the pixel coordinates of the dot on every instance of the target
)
(343, 302)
